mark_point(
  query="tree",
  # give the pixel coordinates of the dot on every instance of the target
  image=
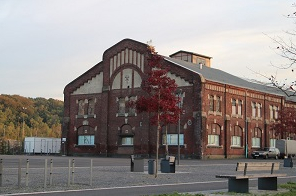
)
(286, 49)
(160, 99)
(41, 116)
(285, 124)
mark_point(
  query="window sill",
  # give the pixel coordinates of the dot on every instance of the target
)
(236, 147)
(126, 114)
(215, 113)
(213, 146)
(237, 116)
(93, 145)
(256, 118)
(86, 116)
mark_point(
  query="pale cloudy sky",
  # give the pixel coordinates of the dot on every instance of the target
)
(45, 44)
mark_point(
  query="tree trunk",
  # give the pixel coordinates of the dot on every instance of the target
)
(166, 141)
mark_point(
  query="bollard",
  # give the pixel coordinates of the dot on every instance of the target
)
(91, 172)
(50, 172)
(1, 172)
(19, 175)
(69, 172)
(45, 173)
(27, 173)
(73, 170)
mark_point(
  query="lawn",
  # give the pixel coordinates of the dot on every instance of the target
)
(291, 186)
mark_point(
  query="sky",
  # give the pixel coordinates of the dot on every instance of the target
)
(46, 44)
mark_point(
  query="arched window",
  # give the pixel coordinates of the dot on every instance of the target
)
(126, 135)
(259, 106)
(86, 136)
(218, 104)
(91, 107)
(253, 104)
(81, 104)
(256, 138)
(214, 135)
(211, 103)
(233, 109)
(236, 138)
(239, 107)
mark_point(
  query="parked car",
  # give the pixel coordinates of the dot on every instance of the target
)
(267, 152)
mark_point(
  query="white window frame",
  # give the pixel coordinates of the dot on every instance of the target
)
(259, 106)
(236, 141)
(239, 107)
(233, 108)
(253, 109)
(218, 104)
(127, 141)
(272, 142)
(172, 139)
(271, 112)
(276, 114)
(213, 140)
(256, 142)
(86, 140)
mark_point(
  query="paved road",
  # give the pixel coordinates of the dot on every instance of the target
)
(112, 176)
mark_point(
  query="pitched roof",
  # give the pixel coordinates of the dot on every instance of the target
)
(222, 77)
(192, 53)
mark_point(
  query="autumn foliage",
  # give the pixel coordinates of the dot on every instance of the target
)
(285, 125)
(160, 99)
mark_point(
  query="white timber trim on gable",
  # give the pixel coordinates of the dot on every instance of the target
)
(126, 56)
(95, 85)
(179, 81)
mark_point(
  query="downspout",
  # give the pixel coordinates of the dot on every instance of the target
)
(225, 124)
(265, 122)
(246, 127)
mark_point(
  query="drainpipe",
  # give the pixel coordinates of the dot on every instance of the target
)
(225, 124)
(246, 127)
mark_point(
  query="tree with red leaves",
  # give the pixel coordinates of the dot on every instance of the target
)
(285, 125)
(160, 100)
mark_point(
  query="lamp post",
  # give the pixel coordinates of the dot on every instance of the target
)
(22, 136)
(179, 124)
(3, 134)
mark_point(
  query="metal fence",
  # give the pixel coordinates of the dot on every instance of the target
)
(8, 146)
(21, 174)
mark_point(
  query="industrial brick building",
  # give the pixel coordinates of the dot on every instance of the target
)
(223, 115)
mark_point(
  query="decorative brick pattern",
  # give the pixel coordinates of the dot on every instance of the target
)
(196, 120)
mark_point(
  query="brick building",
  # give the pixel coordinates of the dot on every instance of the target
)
(223, 115)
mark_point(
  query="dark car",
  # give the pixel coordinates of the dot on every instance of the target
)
(267, 152)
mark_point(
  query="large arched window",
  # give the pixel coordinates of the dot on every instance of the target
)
(214, 132)
(236, 138)
(86, 136)
(126, 135)
(256, 137)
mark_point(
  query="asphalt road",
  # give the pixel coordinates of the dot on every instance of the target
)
(112, 176)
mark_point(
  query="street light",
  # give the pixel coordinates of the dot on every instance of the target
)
(4, 126)
(22, 136)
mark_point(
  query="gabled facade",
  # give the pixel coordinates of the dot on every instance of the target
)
(223, 116)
